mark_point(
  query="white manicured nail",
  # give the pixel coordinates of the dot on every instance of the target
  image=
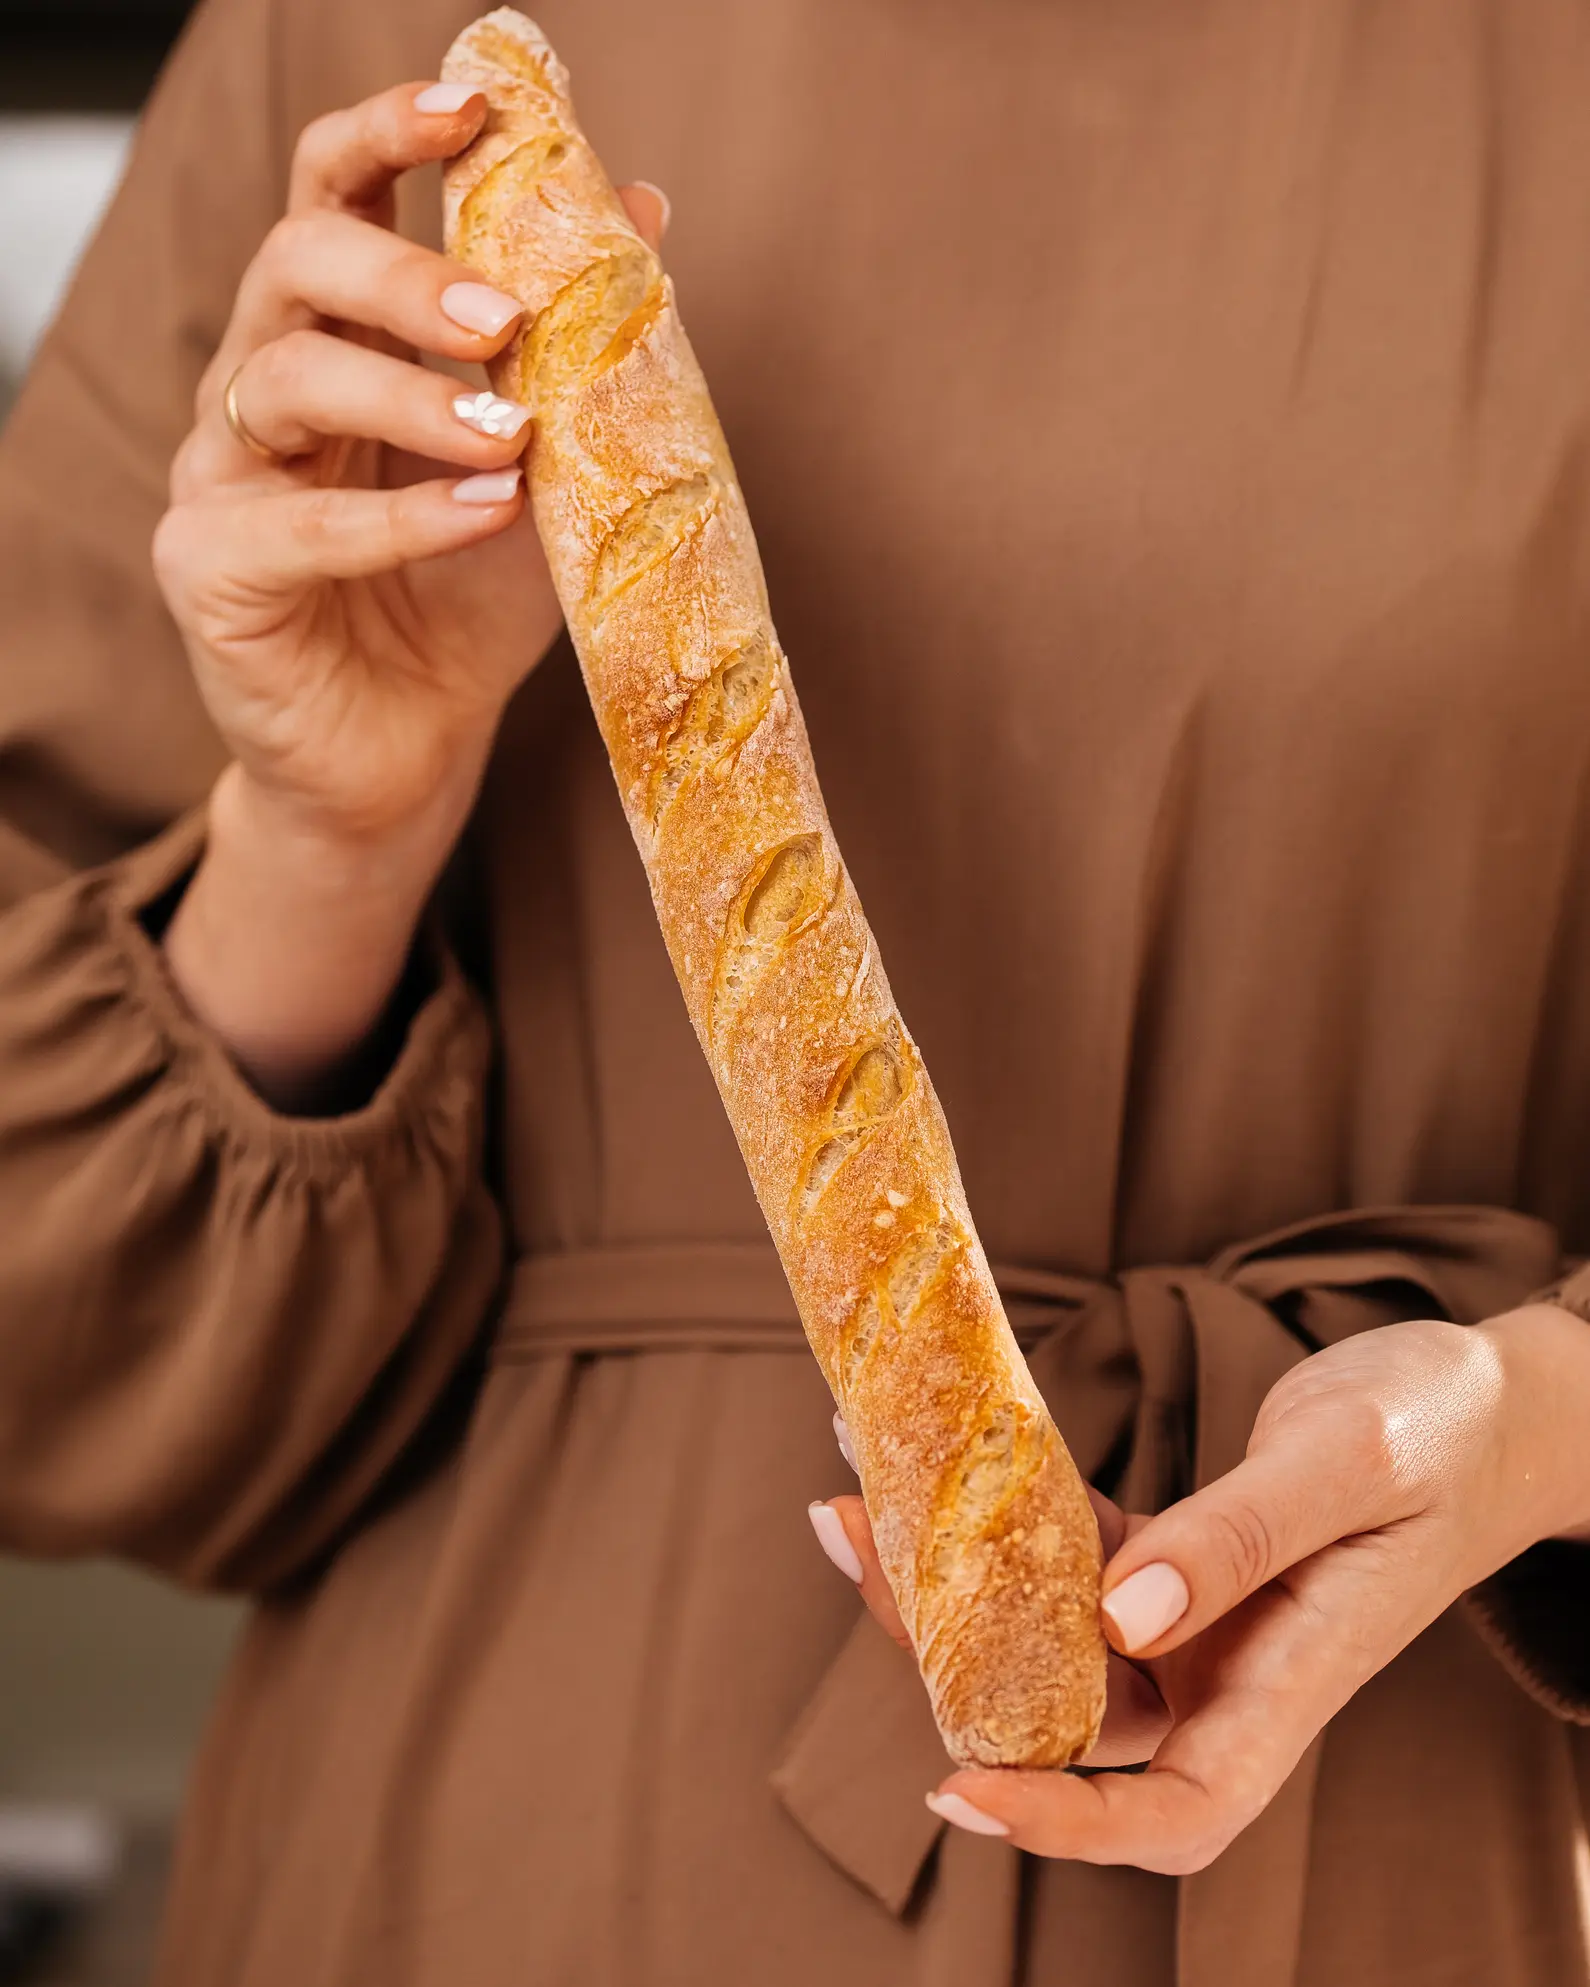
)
(846, 1448)
(443, 99)
(834, 1540)
(489, 414)
(954, 1808)
(1145, 1605)
(497, 488)
(478, 307)
(663, 201)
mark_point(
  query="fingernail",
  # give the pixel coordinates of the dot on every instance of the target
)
(846, 1447)
(442, 99)
(667, 205)
(834, 1540)
(954, 1808)
(497, 488)
(1146, 1604)
(477, 307)
(489, 414)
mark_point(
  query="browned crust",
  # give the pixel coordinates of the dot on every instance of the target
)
(982, 1522)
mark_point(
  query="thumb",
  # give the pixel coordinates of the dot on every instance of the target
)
(1197, 1560)
(844, 1532)
(648, 207)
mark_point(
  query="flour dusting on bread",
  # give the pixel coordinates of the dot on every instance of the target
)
(983, 1525)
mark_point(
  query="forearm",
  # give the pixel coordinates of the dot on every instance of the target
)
(291, 940)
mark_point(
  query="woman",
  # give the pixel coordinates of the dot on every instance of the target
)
(1165, 433)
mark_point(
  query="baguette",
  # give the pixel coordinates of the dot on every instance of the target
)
(983, 1526)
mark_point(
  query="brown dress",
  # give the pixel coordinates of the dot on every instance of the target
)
(1168, 430)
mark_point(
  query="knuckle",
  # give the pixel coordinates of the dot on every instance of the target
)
(173, 549)
(318, 143)
(1196, 1854)
(291, 242)
(1211, 1833)
(1367, 1437)
(287, 361)
(428, 272)
(384, 122)
(212, 383)
(313, 521)
(1241, 1544)
(397, 526)
(277, 250)
(184, 480)
(412, 519)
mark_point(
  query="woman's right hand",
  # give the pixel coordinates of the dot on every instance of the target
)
(359, 609)
(358, 603)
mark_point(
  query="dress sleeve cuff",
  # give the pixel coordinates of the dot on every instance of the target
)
(438, 1059)
(222, 1329)
(1534, 1614)
(1571, 1291)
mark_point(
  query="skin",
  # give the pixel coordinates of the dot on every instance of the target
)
(1385, 1477)
(355, 629)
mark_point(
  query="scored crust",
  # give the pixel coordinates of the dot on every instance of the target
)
(983, 1526)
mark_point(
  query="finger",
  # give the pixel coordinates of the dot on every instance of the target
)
(845, 1533)
(268, 547)
(1295, 1495)
(351, 158)
(847, 1448)
(1262, 1683)
(1208, 1779)
(303, 389)
(1156, 1820)
(318, 265)
(1136, 1718)
(649, 208)
(1112, 1521)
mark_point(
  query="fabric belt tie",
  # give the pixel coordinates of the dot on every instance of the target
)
(1154, 1377)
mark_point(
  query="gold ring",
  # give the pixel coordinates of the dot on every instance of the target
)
(240, 428)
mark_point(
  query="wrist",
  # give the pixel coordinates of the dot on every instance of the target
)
(292, 937)
(270, 832)
(1544, 1356)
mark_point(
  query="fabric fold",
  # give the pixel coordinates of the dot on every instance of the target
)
(223, 1328)
(864, 1744)
(1154, 1377)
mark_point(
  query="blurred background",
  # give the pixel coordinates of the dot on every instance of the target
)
(104, 1676)
(73, 74)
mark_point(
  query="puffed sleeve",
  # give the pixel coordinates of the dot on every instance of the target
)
(219, 1328)
(222, 1331)
(1535, 1613)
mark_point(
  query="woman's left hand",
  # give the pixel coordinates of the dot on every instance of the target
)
(1385, 1476)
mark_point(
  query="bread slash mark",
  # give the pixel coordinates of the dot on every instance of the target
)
(648, 535)
(867, 1092)
(995, 1463)
(721, 714)
(480, 217)
(527, 64)
(784, 895)
(915, 1270)
(590, 323)
(921, 1264)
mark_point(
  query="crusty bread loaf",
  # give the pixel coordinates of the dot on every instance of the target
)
(982, 1524)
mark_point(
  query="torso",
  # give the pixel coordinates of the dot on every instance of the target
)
(1164, 427)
